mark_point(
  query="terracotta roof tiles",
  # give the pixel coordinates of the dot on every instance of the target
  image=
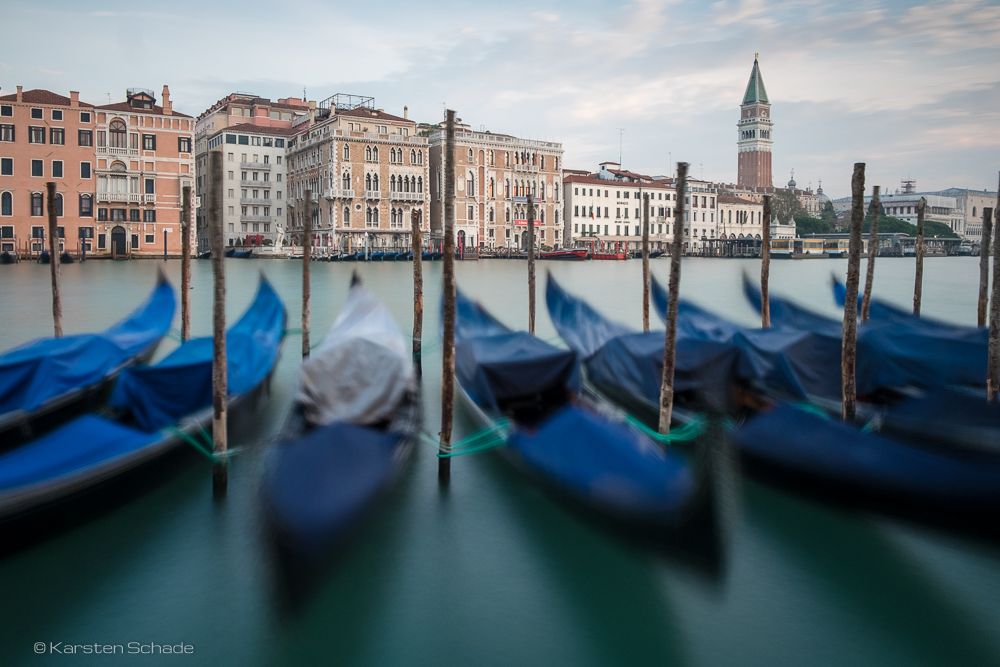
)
(39, 96)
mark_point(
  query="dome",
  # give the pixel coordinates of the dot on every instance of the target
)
(791, 181)
(820, 196)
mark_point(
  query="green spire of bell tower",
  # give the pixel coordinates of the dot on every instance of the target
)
(755, 87)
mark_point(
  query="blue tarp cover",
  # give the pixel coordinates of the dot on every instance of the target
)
(493, 363)
(46, 368)
(631, 361)
(83, 443)
(607, 464)
(319, 483)
(897, 349)
(158, 396)
(831, 450)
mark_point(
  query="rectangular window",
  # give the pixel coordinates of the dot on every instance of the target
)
(57, 136)
(230, 175)
(36, 168)
(184, 144)
(84, 116)
(36, 205)
(149, 215)
(57, 169)
(84, 170)
(279, 143)
(6, 110)
(133, 215)
(37, 232)
(6, 133)
(85, 138)
(57, 114)
(149, 142)
(102, 215)
(6, 166)
(102, 241)
(7, 232)
(36, 135)
(150, 238)
(37, 113)
(244, 140)
(150, 183)
(86, 207)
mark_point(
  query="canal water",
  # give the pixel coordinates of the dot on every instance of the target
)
(492, 572)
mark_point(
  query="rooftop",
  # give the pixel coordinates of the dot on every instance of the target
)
(755, 87)
(39, 96)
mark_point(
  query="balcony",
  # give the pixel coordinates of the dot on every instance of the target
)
(123, 152)
(339, 193)
(373, 194)
(396, 195)
(526, 168)
(253, 201)
(149, 199)
(255, 165)
(255, 218)
(122, 197)
(256, 184)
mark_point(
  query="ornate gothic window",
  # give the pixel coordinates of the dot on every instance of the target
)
(118, 134)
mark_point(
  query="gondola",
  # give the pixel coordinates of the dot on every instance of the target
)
(48, 380)
(7, 258)
(565, 443)
(205, 255)
(353, 425)
(230, 252)
(44, 258)
(155, 410)
(243, 254)
(66, 258)
(376, 256)
(404, 257)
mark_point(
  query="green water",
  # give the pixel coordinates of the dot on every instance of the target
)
(491, 572)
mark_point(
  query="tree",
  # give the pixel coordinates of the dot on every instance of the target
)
(829, 215)
(806, 225)
(785, 205)
(891, 225)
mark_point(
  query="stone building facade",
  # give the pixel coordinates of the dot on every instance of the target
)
(45, 137)
(367, 170)
(494, 175)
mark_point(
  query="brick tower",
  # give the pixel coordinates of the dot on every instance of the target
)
(754, 134)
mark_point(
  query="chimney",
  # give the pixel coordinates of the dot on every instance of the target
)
(19, 96)
(406, 112)
(74, 98)
(168, 109)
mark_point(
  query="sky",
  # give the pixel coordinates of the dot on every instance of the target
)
(912, 90)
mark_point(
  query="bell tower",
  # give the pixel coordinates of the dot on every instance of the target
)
(754, 134)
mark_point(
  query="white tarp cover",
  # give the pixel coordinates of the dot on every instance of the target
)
(361, 370)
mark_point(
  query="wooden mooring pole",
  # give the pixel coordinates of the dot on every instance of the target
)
(866, 300)
(307, 236)
(50, 191)
(418, 289)
(674, 288)
(765, 266)
(531, 265)
(993, 357)
(220, 385)
(918, 278)
(186, 264)
(448, 324)
(850, 339)
(645, 262)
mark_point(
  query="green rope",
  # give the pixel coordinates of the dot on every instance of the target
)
(494, 435)
(206, 447)
(685, 433)
(812, 408)
(174, 335)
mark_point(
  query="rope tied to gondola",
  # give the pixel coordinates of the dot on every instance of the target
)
(203, 443)
(685, 433)
(493, 436)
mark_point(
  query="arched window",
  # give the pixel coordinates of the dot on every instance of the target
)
(471, 156)
(347, 216)
(392, 217)
(392, 183)
(557, 217)
(506, 214)
(375, 182)
(347, 152)
(368, 215)
(492, 182)
(413, 156)
(491, 215)
(375, 216)
(397, 156)
(368, 182)
(374, 153)
(506, 185)
(346, 180)
(493, 159)
(506, 159)
(6, 204)
(420, 184)
(543, 162)
(118, 134)
(973, 211)
(470, 184)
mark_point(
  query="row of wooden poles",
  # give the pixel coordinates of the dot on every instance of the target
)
(219, 368)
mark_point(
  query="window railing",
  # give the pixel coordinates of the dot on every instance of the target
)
(256, 201)
(255, 218)
(108, 150)
(339, 193)
(373, 194)
(256, 184)
(396, 195)
(128, 197)
(255, 165)
(148, 199)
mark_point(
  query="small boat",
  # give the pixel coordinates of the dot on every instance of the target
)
(655, 253)
(335, 257)
(577, 255)
(560, 441)
(436, 256)
(46, 381)
(205, 255)
(609, 255)
(355, 420)
(376, 256)
(426, 256)
(66, 258)
(7, 258)
(229, 252)
(243, 254)
(157, 408)
(44, 257)
(404, 257)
